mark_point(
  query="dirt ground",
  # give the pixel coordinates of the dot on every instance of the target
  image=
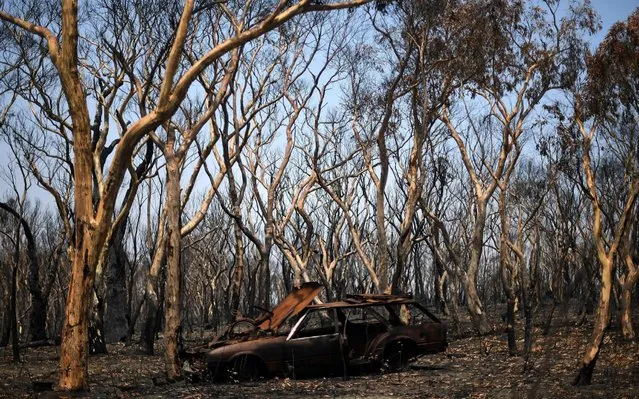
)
(472, 367)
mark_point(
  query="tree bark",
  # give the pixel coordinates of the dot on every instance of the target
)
(97, 343)
(115, 316)
(152, 289)
(628, 285)
(5, 330)
(75, 330)
(173, 261)
(238, 274)
(441, 286)
(602, 317)
(475, 307)
(507, 273)
(13, 311)
(528, 303)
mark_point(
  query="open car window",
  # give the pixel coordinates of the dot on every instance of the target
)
(409, 314)
(366, 315)
(313, 323)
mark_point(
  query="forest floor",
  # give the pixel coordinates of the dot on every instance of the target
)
(472, 367)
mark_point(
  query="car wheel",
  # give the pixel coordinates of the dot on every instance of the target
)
(245, 368)
(397, 356)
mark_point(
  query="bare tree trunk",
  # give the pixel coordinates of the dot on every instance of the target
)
(510, 325)
(173, 261)
(5, 330)
(97, 344)
(15, 344)
(441, 285)
(599, 328)
(150, 325)
(38, 314)
(527, 300)
(115, 316)
(548, 321)
(152, 289)
(454, 304)
(507, 273)
(628, 285)
(238, 274)
(528, 331)
(132, 322)
(380, 220)
(475, 307)
(75, 330)
(267, 282)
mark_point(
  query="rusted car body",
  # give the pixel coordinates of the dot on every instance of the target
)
(331, 338)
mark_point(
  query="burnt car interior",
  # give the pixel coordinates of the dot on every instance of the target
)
(360, 325)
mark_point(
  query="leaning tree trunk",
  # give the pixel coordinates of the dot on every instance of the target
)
(599, 328)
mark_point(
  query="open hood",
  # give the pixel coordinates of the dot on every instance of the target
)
(293, 304)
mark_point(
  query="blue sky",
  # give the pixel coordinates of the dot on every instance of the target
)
(612, 11)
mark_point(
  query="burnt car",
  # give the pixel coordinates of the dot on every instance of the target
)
(332, 338)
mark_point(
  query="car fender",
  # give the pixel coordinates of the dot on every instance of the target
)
(380, 343)
(245, 353)
(397, 338)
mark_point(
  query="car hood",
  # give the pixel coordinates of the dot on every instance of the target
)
(296, 301)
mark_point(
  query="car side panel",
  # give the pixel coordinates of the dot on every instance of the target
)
(316, 354)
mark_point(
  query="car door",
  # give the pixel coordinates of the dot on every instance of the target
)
(314, 345)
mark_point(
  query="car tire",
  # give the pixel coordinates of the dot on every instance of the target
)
(245, 368)
(397, 356)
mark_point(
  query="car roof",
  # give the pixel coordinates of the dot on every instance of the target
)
(351, 302)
